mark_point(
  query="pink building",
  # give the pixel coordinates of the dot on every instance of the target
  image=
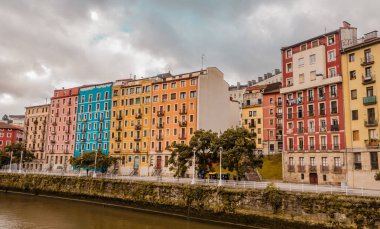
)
(61, 129)
(272, 119)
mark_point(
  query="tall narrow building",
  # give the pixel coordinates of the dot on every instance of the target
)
(93, 119)
(314, 136)
(36, 122)
(360, 62)
(61, 129)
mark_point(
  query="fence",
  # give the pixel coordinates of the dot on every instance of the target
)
(293, 187)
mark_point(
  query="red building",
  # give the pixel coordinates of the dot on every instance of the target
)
(314, 139)
(272, 119)
(9, 134)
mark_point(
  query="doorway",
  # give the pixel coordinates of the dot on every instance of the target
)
(313, 178)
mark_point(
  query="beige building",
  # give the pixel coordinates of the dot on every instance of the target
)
(360, 62)
(36, 118)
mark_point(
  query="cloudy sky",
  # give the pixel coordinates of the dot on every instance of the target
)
(53, 44)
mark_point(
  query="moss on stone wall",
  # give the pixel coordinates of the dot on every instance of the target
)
(268, 208)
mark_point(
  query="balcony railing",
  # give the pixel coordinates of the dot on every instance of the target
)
(160, 125)
(279, 115)
(311, 147)
(310, 113)
(117, 139)
(279, 137)
(322, 112)
(119, 117)
(324, 168)
(310, 99)
(336, 147)
(137, 139)
(368, 60)
(372, 143)
(159, 137)
(291, 168)
(289, 116)
(119, 128)
(83, 140)
(291, 148)
(368, 78)
(117, 151)
(183, 111)
(138, 116)
(369, 100)
(136, 150)
(52, 141)
(182, 123)
(138, 127)
(312, 168)
(334, 110)
(159, 149)
(337, 169)
(323, 147)
(370, 123)
(160, 113)
(182, 136)
(279, 126)
(252, 125)
(300, 130)
(334, 127)
(322, 129)
(311, 130)
(301, 168)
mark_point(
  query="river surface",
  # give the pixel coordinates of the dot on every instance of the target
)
(19, 211)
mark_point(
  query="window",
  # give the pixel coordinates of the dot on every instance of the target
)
(351, 57)
(331, 56)
(173, 85)
(193, 82)
(314, 43)
(155, 98)
(357, 161)
(332, 72)
(312, 59)
(173, 96)
(352, 75)
(156, 87)
(303, 47)
(288, 53)
(164, 86)
(289, 67)
(301, 78)
(354, 94)
(182, 95)
(333, 91)
(334, 107)
(331, 40)
(374, 161)
(193, 94)
(301, 62)
(355, 115)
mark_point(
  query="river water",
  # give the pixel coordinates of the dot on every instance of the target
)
(19, 211)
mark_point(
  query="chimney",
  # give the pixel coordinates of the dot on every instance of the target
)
(269, 74)
(260, 78)
(346, 24)
(253, 82)
(265, 76)
(249, 83)
(277, 71)
(238, 85)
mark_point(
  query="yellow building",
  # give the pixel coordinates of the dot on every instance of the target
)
(360, 62)
(130, 125)
(252, 114)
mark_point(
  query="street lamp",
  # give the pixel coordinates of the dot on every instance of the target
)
(193, 181)
(20, 169)
(80, 168)
(220, 166)
(96, 157)
(10, 163)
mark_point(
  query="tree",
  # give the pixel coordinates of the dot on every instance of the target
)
(87, 161)
(17, 150)
(4, 158)
(238, 151)
(204, 143)
(377, 176)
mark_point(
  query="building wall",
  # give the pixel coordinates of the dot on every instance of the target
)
(61, 128)
(361, 169)
(93, 125)
(252, 119)
(36, 122)
(9, 135)
(272, 123)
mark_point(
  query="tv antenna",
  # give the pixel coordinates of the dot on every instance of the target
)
(203, 58)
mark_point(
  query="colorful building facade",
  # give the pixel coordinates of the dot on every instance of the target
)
(62, 128)
(10, 134)
(93, 119)
(36, 123)
(272, 119)
(360, 63)
(314, 138)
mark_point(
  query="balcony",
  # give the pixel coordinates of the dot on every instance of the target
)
(279, 104)
(311, 147)
(279, 137)
(323, 147)
(312, 168)
(370, 123)
(337, 169)
(322, 112)
(83, 140)
(300, 148)
(310, 99)
(99, 140)
(136, 150)
(321, 97)
(159, 149)
(84, 129)
(324, 168)
(301, 168)
(84, 120)
(183, 111)
(67, 141)
(52, 141)
(310, 114)
(291, 168)
(53, 132)
(252, 125)
(300, 114)
(182, 123)
(279, 126)
(160, 125)
(54, 123)
(101, 119)
(279, 115)
(357, 165)
(119, 128)
(289, 131)
(182, 137)
(138, 116)
(160, 113)
(334, 110)
(322, 129)
(159, 137)
(138, 127)
(137, 139)
(311, 130)
(368, 60)
(368, 78)
(56, 114)
(300, 130)
(289, 116)
(369, 100)
(118, 139)
(119, 117)
(291, 148)
(336, 147)
(335, 127)
(117, 151)
(372, 143)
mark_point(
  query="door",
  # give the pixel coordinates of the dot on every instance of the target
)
(136, 162)
(158, 162)
(313, 178)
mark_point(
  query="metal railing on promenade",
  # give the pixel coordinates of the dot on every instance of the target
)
(293, 187)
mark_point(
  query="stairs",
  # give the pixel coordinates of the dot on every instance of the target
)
(156, 173)
(134, 172)
(253, 176)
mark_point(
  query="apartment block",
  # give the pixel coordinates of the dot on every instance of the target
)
(62, 128)
(36, 123)
(360, 62)
(93, 119)
(314, 136)
(10, 134)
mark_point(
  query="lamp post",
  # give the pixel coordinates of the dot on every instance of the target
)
(96, 157)
(20, 169)
(193, 181)
(80, 168)
(220, 166)
(10, 163)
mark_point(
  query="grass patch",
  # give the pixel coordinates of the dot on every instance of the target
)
(272, 167)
